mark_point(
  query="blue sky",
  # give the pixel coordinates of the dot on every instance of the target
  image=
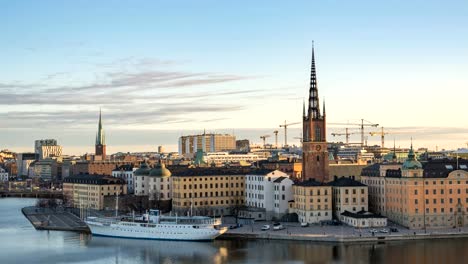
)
(160, 69)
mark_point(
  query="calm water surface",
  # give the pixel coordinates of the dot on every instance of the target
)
(21, 243)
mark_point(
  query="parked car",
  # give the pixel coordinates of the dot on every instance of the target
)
(265, 227)
(393, 229)
(373, 231)
(383, 231)
(304, 224)
(277, 226)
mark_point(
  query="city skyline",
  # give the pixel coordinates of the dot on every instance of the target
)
(242, 75)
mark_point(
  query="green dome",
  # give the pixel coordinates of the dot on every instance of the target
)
(411, 162)
(160, 171)
(144, 170)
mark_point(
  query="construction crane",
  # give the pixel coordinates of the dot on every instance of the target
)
(347, 134)
(382, 136)
(285, 125)
(276, 138)
(264, 137)
(362, 125)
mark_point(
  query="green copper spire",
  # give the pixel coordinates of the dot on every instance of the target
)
(100, 137)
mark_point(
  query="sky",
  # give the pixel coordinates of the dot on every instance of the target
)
(162, 69)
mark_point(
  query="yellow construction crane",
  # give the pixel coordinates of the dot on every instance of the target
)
(382, 136)
(285, 125)
(362, 125)
(276, 138)
(264, 137)
(347, 134)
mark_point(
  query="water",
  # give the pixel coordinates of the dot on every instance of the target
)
(21, 243)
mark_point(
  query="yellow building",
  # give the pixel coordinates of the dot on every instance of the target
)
(208, 191)
(312, 201)
(189, 145)
(88, 191)
(348, 195)
(417, 198)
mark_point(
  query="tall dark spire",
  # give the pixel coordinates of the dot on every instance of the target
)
(100, 137)
(314, 108)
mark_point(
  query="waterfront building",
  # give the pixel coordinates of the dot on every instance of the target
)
(421, 196)
(156, 183)
(126, 172)
(363, 219)
(267, 193)
(348, 195)
(314, 142)
(312, 201)
(208, 191)
(89, 191)
(100, 146)
(189, 145)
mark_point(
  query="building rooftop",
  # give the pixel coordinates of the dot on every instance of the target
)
(346, 182)
(310, 183)
(280, 179)
(361, 214)
(125, 167)
(93, 179)
(211, 172)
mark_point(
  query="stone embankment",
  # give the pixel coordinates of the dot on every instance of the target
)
(340, 234)
(54, 219)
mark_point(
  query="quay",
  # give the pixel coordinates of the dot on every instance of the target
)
(339, 234)
(54, 219)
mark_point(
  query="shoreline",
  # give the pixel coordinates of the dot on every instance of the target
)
(42, 219)
(342, 239)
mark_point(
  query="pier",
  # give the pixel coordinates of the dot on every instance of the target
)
(54, 219)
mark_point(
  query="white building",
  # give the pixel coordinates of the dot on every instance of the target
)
(224, 157)
(261, 197)
(156, 183)
(363, 219)
(282, 195)
(126, 172)
(4, 177)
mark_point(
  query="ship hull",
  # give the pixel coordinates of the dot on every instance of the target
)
(156, 231)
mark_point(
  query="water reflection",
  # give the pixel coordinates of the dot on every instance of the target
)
(23, 244)
(150, 251)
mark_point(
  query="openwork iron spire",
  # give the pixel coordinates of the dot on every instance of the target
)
(100, 137)
(314, 108)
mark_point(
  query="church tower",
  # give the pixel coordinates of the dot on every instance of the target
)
(314, 142)
(100, 147)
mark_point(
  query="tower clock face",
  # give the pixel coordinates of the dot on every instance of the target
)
(318, 147)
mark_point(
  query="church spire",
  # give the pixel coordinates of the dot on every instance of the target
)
(314, 108)
(100, 137)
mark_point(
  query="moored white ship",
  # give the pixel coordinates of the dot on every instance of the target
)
(155, 226)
